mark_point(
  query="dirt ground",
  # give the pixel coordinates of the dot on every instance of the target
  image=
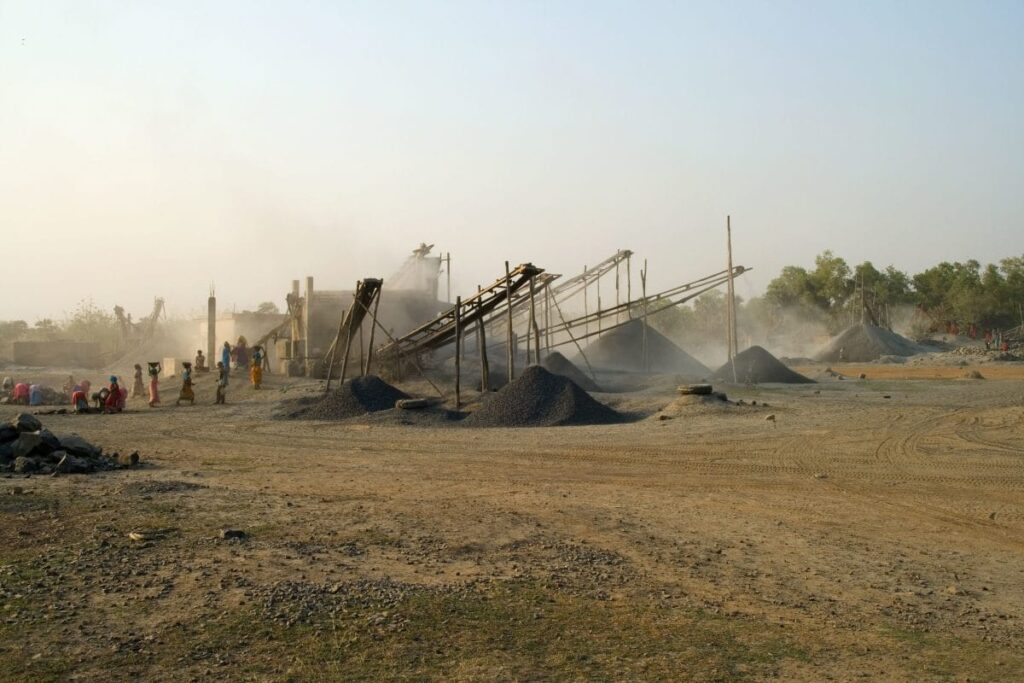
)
(871, 531)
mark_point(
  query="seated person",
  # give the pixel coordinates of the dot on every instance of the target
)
(200, 365)
(80, 401)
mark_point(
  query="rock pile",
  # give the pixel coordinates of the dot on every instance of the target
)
(27, 447)
(558, 364)
(539, 398)
(863, 343)
(355, 397)
(621, 349)
(757, 366)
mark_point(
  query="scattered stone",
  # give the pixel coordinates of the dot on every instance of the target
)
(412, 403)
(233, 535)
(26, 444)
(863, 376)
(72, 464)
(24, 465)
(770, 418)
(76, 445)
(973, 374)
(7, 434)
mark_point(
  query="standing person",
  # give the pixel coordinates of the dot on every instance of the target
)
(241, 353)
(256, 372)
(187, 394)
(138, 388)
(154, 384)
(222, 383)
(225, 355)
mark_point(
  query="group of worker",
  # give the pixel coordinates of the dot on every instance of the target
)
(113, 397)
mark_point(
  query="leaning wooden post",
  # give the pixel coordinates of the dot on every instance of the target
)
(373, 328)
(616, 291)
(481, 339)
(629, 286)
(508, 304)
(533, 324)
(348, 336)
(643, 293)
(598, 280)
(730, 308)
(458, 345)
(586, 313)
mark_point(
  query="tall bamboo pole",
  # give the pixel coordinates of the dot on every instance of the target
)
(458, 356)
(373, 328)
(508, 305)
(481, 338)
(533, 324)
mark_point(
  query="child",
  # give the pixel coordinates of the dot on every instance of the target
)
(222, 383)
(256, 372)
(154, 384)
(186, 386)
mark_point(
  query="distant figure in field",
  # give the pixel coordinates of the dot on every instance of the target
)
(69, 386)
(241, 354)
(222, 383)
(80, 400)
(20, 394)
(225, 355)
(138, 387)
(201, 361)
(187, 394)
(256, 372)
(154, 384)
(114, 402)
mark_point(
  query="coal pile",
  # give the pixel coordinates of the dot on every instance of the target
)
(539, 398)
(862, 343)
(560, 365)
(621, 349)
(26, 447)
(757, 366)
(355, 397)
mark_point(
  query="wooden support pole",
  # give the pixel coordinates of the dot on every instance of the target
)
(458, 356)
(586, 313)
(481, 340)
(373, 328)
(348, 340)
(629, 285)
(448, 275)
(533, 323)
(617, 302)
(508, 305)
(730, 303)
(643, 338)
(598, 282)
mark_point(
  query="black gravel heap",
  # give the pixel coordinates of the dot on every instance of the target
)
(357, 396)
(539, 398)
(560, 365)
(757, 366)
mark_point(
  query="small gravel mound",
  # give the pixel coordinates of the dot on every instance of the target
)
(357, 396)
(862, 343)
(621, 349)
(558, 364)
(540, 398)
(757, 366)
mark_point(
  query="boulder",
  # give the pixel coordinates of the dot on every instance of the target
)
(26, 423)
(76, 445)
(27, 444)
(71, 464)
(50, 442)
(24, 465)
(6, 453)
(8, 434)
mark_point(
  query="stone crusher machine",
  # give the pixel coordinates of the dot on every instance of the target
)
(442, 330)
(365, 300)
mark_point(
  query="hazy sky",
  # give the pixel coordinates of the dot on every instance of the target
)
(153, 148)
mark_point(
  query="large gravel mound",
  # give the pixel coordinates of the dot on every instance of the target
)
(357, 396)
(622, 349)
(863, 342)
(539, 398)
(756, 366)
(558, 364)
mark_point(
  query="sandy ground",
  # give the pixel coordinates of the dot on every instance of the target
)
(871, 531)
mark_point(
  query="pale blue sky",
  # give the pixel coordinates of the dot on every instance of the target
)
(149, 148)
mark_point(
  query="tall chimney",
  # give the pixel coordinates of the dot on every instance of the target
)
(211, 329)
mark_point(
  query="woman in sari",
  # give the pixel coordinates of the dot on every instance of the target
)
(187, 394)
(154, 384)
(138, 388)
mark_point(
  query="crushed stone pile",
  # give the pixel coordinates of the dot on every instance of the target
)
(539, 398)
(757, 366)
(863, 343)
(26, 447)
(558, 364)
(355, 397)
(621, 349)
